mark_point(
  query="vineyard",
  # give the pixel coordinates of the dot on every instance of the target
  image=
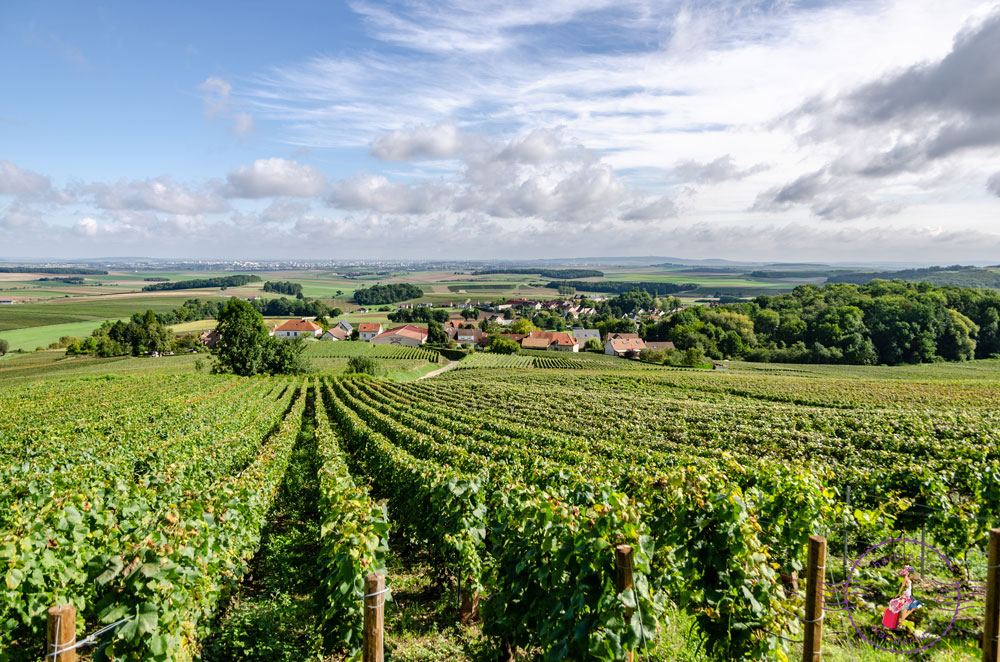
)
(144, 500)
(553, 360)
(347, 349)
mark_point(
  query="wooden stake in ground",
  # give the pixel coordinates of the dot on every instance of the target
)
(61, 633)
(374, 622)
(991, 624)
(624, 581)
(812, 647)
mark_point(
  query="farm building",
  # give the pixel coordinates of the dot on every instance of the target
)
(616, 346)
(298, 329)
(336, 333)
(409, 335)
(368, 330)
(7, 302)
(471, 337)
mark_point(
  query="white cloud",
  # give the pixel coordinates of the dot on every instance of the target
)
(442, 141)
(159, 194)
(86, 227)
(275, 177)
(993, 184)
(20, 182)
(219, 103)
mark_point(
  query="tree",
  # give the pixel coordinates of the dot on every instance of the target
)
(694, 357)
(366, 365)
(436, 334)
(4, 347)
(593, 345)
(501, 345)
(523, 325)
(469, 313)
(243, 341)
(284, 357)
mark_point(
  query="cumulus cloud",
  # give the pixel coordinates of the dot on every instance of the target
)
(905, 123)
(374, 192)
(441, 141)
(17, 181)
(275, 177)
(721, 169)
(86, 227)
(159, 194)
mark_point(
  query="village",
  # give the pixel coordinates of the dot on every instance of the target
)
(474, 325)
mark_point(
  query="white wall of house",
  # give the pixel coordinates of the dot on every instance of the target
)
(565, 348)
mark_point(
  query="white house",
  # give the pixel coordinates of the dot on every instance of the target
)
(298, 329)
(619, 346)
(368, 330)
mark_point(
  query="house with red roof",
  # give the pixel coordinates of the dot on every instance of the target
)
(409, 335)
(298, 329)
(368, 330)
(558, 341)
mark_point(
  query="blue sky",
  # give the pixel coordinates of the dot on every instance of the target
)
(733, 128)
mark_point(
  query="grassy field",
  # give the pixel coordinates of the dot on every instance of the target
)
(30, 338)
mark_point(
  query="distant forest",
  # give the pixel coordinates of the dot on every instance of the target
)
(283, 287)
(69, 280)
(888, 322)
(957, 275)
(618, 287)
(390, 293)
(545, 273)
(52, 270)
(198, 283)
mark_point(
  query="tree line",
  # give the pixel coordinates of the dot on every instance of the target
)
(388, 293)
(237, 280)
(284, 287)
(199, 309)
(545, 273)
(882, 322)
(618, 287)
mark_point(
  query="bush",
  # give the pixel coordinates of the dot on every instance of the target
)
(503, 346)
(593, 345)
(363, 365)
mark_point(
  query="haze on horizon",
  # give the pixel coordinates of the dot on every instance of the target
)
(740, 129)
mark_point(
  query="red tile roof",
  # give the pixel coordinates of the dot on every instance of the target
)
(299, 325)
(408, 331)
(369, 327)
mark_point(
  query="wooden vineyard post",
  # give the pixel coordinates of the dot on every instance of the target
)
(469, 608)
(624, 581)
(374, 623)
(60, 633)
(991, 624)
(812, 648)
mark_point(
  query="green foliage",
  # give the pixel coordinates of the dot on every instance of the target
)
(354, 536)
(419, 314)
(436, 334)
(243, 347)
(500, 345)
(593, 345)
(619, 287)
(364, 365)
(238, 280)
(388, 293)
(283, 287)
(4, 346)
